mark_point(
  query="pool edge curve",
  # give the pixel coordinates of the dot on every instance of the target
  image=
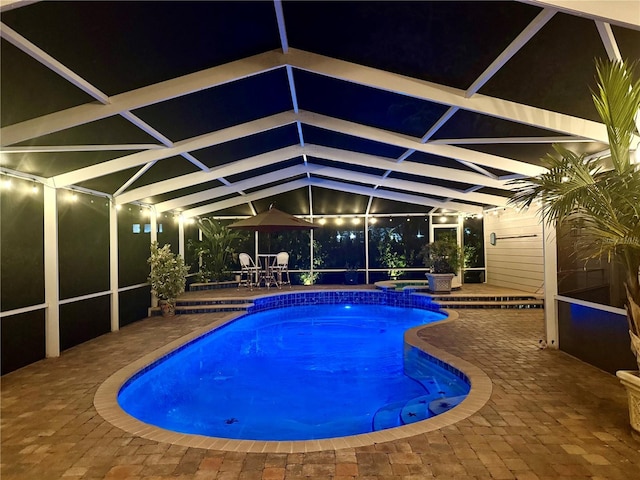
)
(106, 403)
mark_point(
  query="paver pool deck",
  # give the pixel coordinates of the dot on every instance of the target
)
(549, 416)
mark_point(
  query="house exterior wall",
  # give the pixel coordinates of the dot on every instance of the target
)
(515, 262)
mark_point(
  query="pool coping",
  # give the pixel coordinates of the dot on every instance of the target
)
(106, 404)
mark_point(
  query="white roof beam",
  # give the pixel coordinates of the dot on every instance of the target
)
(145, 127)
(133, 178)
(197, 178)
(141, 97)
(409, 186)
(625, 13)
(399, 197)
(251, 197)
(503, 140)
(47, 60)
(195, 161)
(411, 168)
(608, 40)
(397, 139)
(282, 29)
(184, 146)
(444, 95)
(524, 36)
(316, 63)
(81, 148)
(7, 5)
(231, 188)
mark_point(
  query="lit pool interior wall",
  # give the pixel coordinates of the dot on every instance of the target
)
(345, 297)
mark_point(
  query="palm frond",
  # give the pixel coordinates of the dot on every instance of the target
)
(617, 102)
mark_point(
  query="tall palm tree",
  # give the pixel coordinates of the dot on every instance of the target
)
(601, 194)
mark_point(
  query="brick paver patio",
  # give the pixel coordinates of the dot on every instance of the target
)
(550, 416)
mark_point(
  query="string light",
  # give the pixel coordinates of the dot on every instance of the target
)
(355, 220)
(339, 221)
(322, 221)
(373, 220)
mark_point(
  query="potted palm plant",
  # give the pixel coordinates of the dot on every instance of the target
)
(603, 194)
(168, 277)
(444, 257)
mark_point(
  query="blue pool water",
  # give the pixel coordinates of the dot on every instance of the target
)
(296, 373)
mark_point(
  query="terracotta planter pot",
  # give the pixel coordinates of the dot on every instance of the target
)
(631, 381)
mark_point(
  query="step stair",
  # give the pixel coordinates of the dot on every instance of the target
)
(207, 305)
(488, 301)
(388, 416)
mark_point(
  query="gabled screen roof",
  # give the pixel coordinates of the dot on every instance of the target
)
(221, 108)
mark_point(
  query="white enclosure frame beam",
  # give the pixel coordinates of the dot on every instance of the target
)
(625, 13)
(550, 285)
(195, 143)
(142, 97)
(250, 197)
(51, 274)
(399, 197)
(319, 64)
(609, 41)
(196, 178)
(400, 140)
(113, 266)
(412, 87)
(513, 48)
(48, 61)
(213, 193)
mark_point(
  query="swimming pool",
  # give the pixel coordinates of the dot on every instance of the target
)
(298, 373)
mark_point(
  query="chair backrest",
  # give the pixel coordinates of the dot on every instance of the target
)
(245, 260)
(282, 258)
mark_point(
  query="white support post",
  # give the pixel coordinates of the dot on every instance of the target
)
(153, 237)
(257, 251)
(311, 252)
(366, 249)
(550, 285)
(460, 240)
(181, 236)
(51, 277)
(113, 266)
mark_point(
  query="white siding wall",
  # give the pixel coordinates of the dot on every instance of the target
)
(515, 262)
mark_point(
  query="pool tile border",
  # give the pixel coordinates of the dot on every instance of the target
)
(106, 404)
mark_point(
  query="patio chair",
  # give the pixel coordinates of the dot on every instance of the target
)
(249, 271)
(280, 268)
